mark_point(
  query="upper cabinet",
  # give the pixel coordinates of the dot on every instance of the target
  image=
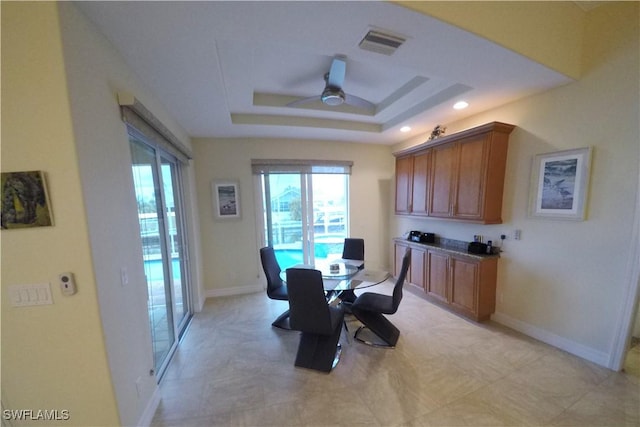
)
(459, 176)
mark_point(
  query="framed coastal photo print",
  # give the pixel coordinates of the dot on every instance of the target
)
(25, 201)
(226, 199)
(559, 184)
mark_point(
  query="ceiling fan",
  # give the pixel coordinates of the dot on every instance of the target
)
(333, 95)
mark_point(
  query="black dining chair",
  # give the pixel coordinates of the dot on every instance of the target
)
(353, 249)
(369, 308)
(276, 288)
(320, 324)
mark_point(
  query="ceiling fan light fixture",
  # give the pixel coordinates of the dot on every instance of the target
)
(332, 97)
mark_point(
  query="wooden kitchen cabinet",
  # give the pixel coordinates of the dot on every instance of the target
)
(464, 175)
(420, 185)
(441, 180)
(416, 273)
(417, 267)
(404, 179)
(461, 283)
(438, 276)
(412, 188)
(464, 285)
(400, 250)
(470, 286)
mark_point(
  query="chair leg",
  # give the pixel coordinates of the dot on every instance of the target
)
(346, 329)
(282, 321)
(348, 296)
(379, 325)
(319, 352)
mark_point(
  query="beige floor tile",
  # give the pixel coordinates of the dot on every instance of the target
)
(614, 403)
(465, 412)
(520, 402)
(234, 369)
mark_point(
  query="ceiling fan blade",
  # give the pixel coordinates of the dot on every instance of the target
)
(356, 101)
(336, 72)
(303, 101)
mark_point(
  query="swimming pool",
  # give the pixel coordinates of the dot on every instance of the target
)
(153, 269)
(330, 247)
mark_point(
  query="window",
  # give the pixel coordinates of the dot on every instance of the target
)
(305, 209)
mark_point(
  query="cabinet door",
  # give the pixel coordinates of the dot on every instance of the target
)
(470, 178)
(404, 166)
(400, 251)
(464, 285)
(437, 275)
(417, 267)
(443, 169)
(420, 188)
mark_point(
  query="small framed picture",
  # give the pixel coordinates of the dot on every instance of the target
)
(559, 184)
(226, 199)
(25, 201)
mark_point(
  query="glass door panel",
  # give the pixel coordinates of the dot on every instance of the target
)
(329, 215)
(305, 216)
(153, 233)
(175, 242)
(283, 217)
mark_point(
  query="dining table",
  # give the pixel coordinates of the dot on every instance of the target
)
(340, 275)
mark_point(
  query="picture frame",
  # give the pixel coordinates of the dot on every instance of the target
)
(559, 184)
(24, 201)
(226, 199)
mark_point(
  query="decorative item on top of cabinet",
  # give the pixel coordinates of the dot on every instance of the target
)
(458, 176)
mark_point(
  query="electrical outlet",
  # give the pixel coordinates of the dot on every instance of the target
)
(517, 234)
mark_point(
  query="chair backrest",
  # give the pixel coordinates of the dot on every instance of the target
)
(271, 268)
(397, 289)
(353, 248)
(308, 309)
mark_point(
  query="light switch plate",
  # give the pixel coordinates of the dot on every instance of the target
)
(25, 295)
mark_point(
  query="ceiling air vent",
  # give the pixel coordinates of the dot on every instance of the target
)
(379, 42)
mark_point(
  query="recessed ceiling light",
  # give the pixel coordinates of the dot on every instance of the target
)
(460, 105)
(405, 129)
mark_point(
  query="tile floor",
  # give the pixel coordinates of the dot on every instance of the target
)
(234, 369)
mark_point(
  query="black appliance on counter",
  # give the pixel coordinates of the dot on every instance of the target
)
(477, 248)
(420, 237)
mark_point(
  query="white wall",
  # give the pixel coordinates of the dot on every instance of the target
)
(565, 282)
(95, 74)
(53, 356)
(230, 247)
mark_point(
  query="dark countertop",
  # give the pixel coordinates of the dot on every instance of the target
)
(455, 247)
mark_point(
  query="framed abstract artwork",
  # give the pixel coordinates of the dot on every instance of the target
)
(226, 199)
(25, 201)
(559, 184)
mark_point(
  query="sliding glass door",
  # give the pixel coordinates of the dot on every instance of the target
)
(160, 214)
(305, 216)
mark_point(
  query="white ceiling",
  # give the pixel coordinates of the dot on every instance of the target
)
(228, 69)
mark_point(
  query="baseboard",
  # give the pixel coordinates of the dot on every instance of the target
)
(150, 410)
(547, 337)
(236, 290)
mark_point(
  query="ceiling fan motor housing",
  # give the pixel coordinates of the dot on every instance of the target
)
(332, 96)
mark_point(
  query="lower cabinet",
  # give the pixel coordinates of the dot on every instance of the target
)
(437, 273)
(463, 284)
